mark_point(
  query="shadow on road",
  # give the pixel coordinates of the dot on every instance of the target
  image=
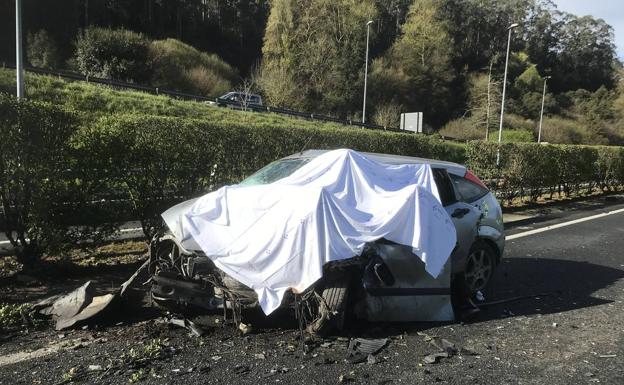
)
(569, 284)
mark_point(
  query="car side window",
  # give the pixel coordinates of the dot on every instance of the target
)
(468, 191)
(445, 188)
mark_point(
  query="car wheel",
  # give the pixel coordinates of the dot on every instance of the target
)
(479, 267)
(332, 306)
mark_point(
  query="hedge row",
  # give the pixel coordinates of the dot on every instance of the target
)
(529, 170)
(65, 179)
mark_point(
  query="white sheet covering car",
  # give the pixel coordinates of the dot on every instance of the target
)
(276, 237)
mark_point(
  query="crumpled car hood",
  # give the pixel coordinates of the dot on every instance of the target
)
(173, 217)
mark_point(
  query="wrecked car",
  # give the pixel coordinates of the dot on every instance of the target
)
(381, 237)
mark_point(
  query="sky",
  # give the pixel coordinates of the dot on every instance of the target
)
(611, 11)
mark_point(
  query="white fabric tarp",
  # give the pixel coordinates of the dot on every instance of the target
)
(278, 236)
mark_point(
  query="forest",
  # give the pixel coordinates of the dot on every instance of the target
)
(444, 58)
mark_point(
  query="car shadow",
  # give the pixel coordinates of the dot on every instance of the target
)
(522, 287)
(556, 286)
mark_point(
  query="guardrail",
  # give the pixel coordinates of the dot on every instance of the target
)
(186, 96)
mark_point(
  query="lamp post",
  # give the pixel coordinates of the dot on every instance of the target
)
(539, 132)
(366, 70)
(19, 65)
(500, 128)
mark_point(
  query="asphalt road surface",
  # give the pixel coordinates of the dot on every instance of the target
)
(571, 331)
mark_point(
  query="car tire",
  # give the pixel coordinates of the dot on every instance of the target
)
(480, 264)
(332, 307)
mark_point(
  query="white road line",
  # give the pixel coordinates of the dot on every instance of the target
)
(121, 231)
(564, 224)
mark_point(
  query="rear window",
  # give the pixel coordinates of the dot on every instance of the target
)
(468, 191)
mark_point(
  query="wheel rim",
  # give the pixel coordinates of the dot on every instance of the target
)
(478, 270)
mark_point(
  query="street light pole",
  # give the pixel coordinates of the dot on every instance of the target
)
(366, 70)
(500, 128)
(19, 65)
(539, 132)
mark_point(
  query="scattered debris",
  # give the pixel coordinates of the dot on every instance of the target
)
(513, 299)
(245, 328)
(130, 281)
(446, 349)
(433, 358)
(343, 378)
(607, 355)
(275, 370)
(74, 307)
(94, 368)
(479, 296)
(185, 323)
(260, 356)
(241, 369)
(361, 348)
(68, 305)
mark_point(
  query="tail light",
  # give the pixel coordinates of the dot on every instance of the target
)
(471, 177)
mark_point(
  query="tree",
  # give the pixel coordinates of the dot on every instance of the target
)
(478, 28)
(387, 115)
(277, 78)
(586, 54)
(117, 54)
(484, 95)
(317, 47)
(417, 68)
(42, 51)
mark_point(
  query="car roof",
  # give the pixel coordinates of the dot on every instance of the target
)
(453, 168)
(239, 93)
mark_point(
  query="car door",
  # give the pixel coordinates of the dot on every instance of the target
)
(408, 292)
(464, 215)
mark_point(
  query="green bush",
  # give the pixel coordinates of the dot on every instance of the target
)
(528, 170)
(463, 129)
(515, 122)
(42, 51)
(46, 186)
(179, 66)
(33, 156)
(564, 131)
(116, 54)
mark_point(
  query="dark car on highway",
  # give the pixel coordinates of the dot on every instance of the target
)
(240, 101)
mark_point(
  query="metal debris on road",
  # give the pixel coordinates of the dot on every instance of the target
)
(185, 323)
(360, 348)
(446, 349)
(73, 308)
